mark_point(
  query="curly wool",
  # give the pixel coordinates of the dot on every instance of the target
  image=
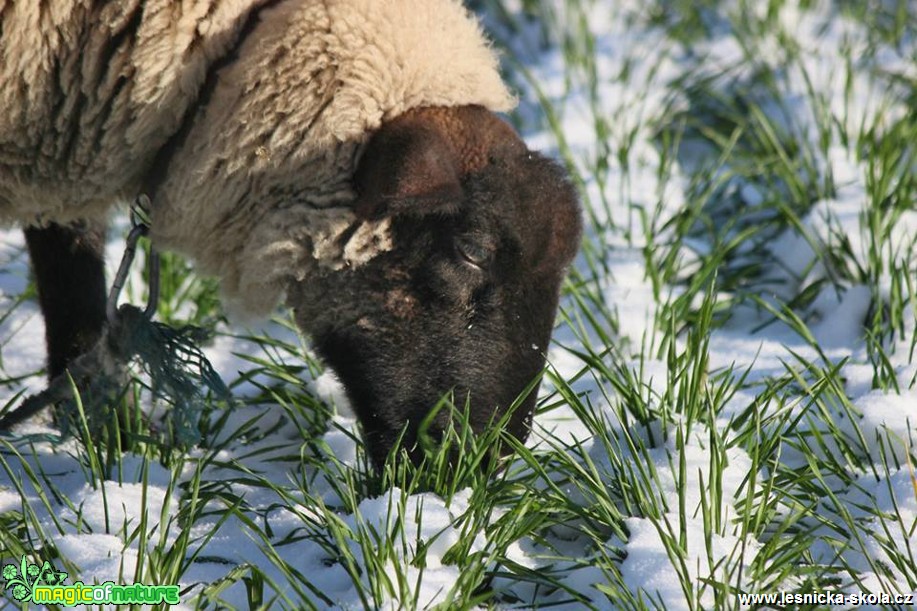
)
(258, 189)
(91, 90)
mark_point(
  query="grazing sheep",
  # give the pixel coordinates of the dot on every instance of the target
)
(343, 154)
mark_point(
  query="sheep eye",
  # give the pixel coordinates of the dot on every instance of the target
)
(473, 250)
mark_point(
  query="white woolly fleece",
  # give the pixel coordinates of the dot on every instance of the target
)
(260, 187)
(89, 92)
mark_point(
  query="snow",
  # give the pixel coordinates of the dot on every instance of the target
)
(637, 69)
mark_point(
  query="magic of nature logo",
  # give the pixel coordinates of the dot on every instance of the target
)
(43, 584)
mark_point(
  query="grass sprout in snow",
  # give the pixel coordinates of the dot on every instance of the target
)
(730, 404)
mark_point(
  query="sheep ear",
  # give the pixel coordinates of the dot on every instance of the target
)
(408, 167)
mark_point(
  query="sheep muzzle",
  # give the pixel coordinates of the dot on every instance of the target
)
(482, 231)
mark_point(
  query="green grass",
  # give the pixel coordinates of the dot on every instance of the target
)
(748, 477)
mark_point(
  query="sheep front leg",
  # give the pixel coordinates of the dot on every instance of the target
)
(67, 262)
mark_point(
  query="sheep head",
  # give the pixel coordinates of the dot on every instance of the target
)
(483, 231)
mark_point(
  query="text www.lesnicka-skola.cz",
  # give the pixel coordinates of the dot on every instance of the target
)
(855, 599)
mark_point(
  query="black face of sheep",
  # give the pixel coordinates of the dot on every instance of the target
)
(482, 233)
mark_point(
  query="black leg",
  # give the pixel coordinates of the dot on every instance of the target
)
(67, 261)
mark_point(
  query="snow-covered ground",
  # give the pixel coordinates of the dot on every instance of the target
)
(638, 73)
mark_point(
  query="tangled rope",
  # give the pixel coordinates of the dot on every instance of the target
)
(178, 369)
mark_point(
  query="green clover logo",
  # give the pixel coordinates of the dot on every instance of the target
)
(20, 592)
(21, 579)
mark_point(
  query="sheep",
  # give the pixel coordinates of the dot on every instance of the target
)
(342, 156)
